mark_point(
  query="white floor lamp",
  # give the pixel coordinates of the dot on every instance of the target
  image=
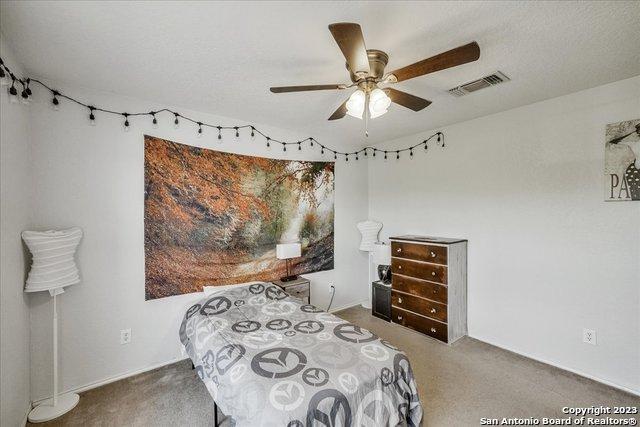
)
(369, 230)
(52, 269)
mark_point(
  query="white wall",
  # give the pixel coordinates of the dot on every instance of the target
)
(93, 177)
(547, 256)
(15, 215)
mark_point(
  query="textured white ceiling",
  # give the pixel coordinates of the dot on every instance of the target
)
(222, 57)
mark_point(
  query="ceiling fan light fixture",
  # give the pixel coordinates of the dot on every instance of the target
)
(379, 103)
(355, 104)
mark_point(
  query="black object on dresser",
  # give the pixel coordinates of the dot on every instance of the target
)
(381, 300)
(429, 285)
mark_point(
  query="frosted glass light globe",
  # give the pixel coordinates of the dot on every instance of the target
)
(378, 103)
(355, 104)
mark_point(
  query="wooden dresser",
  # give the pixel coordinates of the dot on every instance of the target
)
(429, 285)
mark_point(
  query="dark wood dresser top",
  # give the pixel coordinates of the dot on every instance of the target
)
(427, 239)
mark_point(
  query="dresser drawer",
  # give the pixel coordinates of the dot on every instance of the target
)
(419, 288)
(419, 323)
(421, 306)
(420, 270)
(298, 291)
(435, 254)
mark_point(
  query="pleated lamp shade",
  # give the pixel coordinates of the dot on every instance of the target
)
(54, 265)
(369, 231)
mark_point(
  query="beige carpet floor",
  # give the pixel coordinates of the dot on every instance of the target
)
(458, 385)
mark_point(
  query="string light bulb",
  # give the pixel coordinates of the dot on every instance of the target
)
(346, 157)
(385, 155)
(397, 155)
(176, 122)
(126, 122)
(154, 122)
(237, 132)
(335, 156)
(24, 95)
(55, 104)
(311, 141)
(268, 140)
(199, 130)
(219, 133)
(299, 146)
(411, 152)
(27, 88)
(284, 147)
(3, 76)
(374, 152)
(92, 117)
(13, 92)
(322, 150)
(252, 132)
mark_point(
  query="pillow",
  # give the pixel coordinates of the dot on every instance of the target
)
(210, 290)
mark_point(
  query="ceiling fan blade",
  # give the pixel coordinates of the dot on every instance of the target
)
(405, 99)
(283, 89)
(351, 42)
(340, 112)
(451, 58)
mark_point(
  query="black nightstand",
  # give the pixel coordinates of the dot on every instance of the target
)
(381, 300)
(299, 288)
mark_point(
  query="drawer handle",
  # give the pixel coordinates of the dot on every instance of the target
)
(399, 250)
(433, 255)
(433, 273)
(435, 291)
(433, 310)
(399, 317)
(399, 300)
(433, 330)
(399, 267)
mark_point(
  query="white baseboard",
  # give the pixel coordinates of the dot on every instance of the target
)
(112, 379)
(564, 368)
(344, 307)
(26, 415)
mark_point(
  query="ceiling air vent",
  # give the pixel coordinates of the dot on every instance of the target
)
(486, 81)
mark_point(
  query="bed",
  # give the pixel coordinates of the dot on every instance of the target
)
(269, 359)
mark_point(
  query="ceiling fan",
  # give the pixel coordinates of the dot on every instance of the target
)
(366, 69)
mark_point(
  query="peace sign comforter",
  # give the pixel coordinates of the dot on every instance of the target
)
(269, 359)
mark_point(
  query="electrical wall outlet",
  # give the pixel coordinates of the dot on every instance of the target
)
(125, 336)
(589, 336)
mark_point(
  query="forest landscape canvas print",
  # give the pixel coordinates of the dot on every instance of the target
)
(214, 218)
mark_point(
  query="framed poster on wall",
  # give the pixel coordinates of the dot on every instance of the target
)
(214, 218)
(622, 161)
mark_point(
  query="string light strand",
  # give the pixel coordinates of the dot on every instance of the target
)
(8, 78)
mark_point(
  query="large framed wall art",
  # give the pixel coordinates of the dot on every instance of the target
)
(214, 218)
